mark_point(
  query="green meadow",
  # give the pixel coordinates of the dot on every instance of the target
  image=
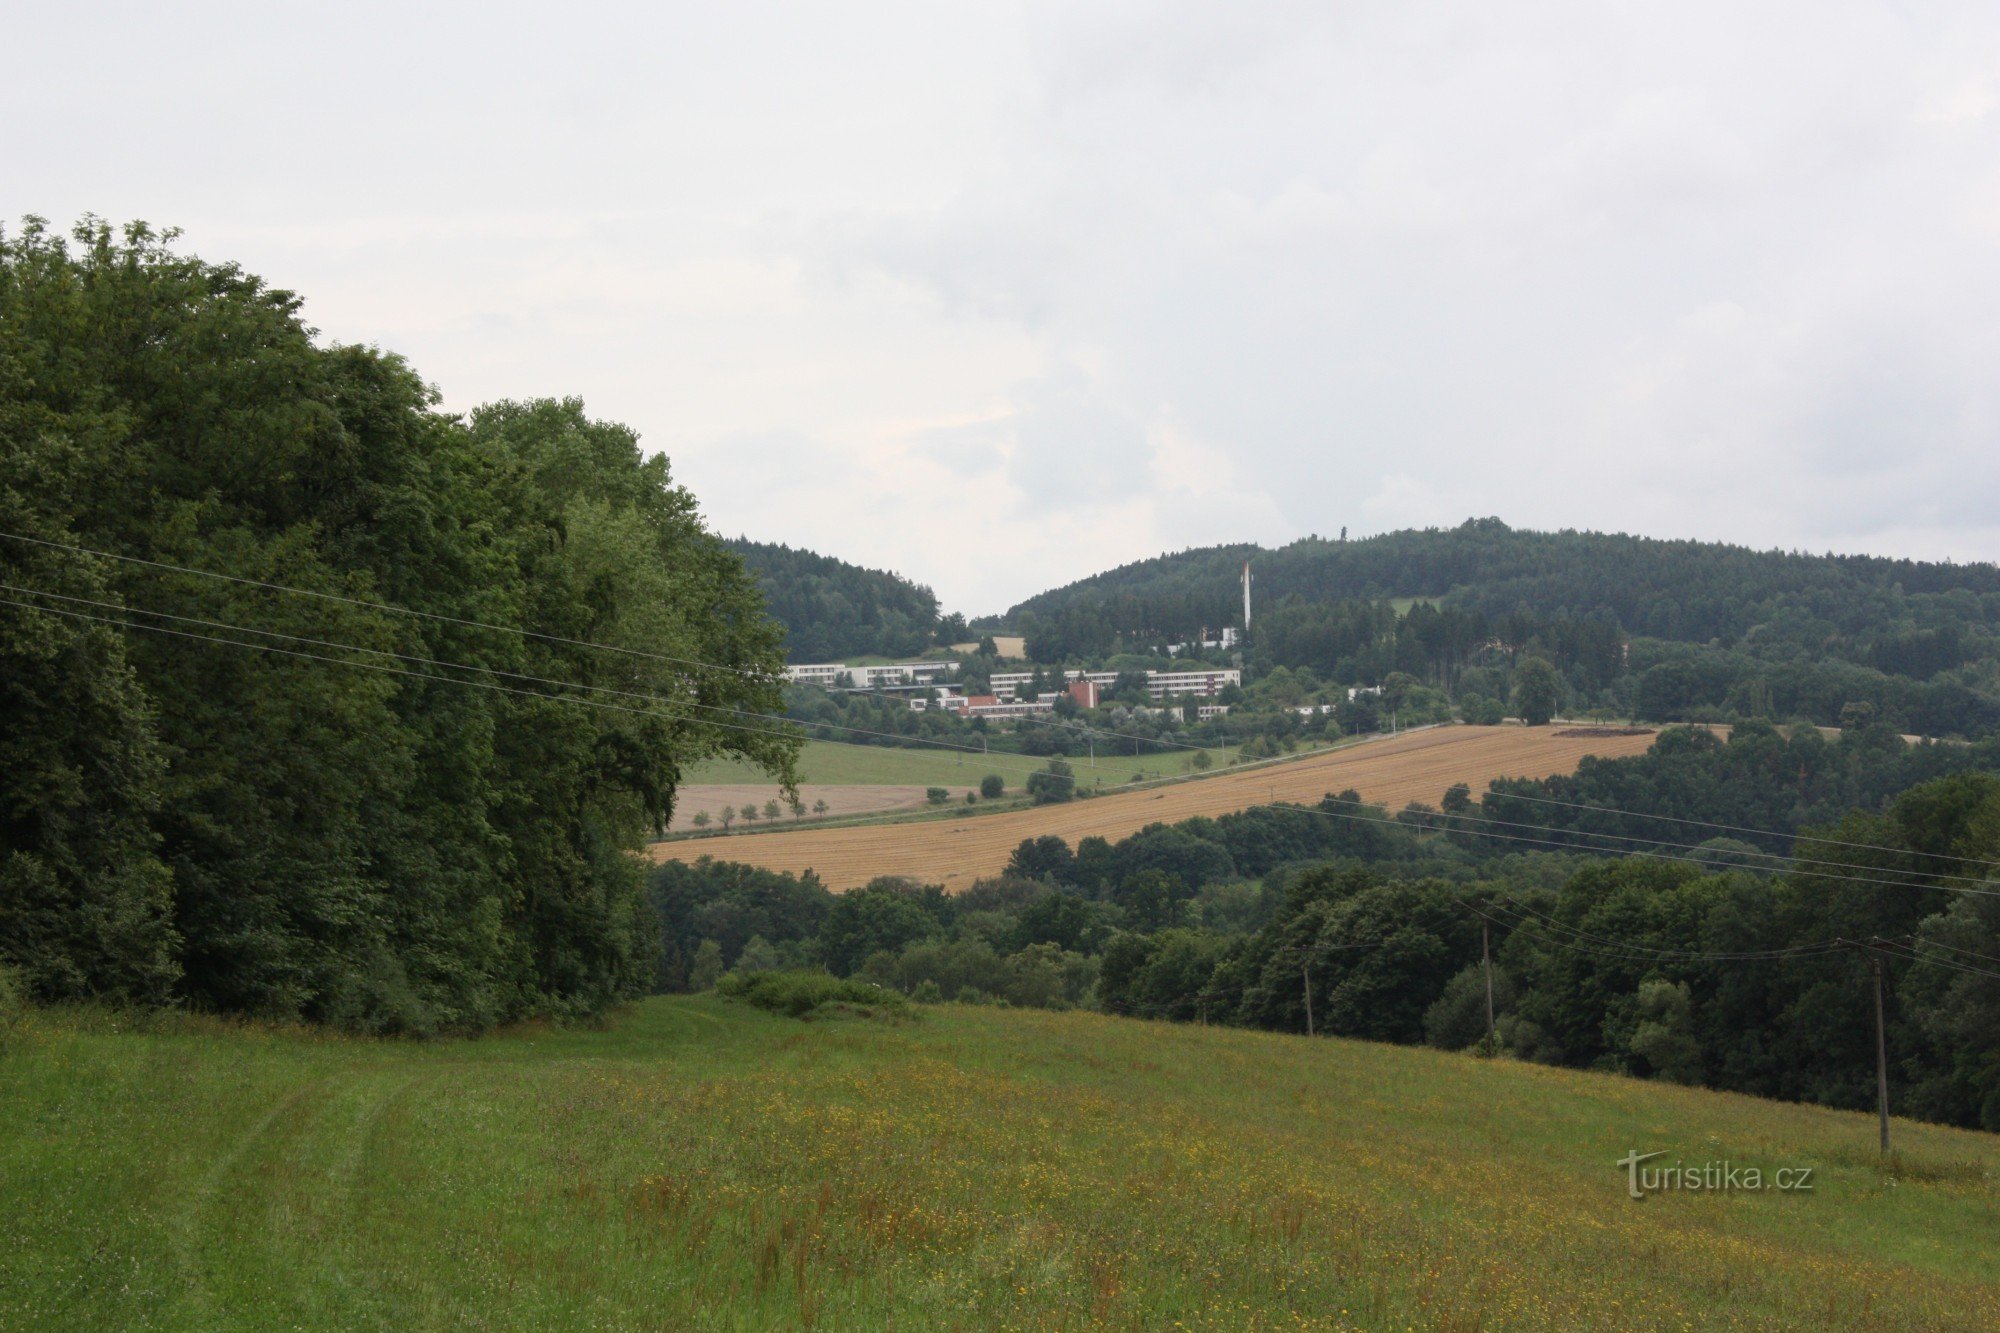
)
(840, 764)
(697, 1163)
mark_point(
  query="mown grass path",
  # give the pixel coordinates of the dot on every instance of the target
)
(709, 1166)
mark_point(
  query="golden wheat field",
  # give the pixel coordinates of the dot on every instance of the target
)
(1418, 766)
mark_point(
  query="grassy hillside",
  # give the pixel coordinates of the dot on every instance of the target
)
(702, 1164)
(838, 763)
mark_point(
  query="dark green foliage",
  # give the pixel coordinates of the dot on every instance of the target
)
(1052, 784)
(806, 994)
(1069, 922)
(1047, 858)
(1537, 691)
(729, 904)
(992, 786)
(833, 611)
(1760, 778)
(194, 819)
(886, 915)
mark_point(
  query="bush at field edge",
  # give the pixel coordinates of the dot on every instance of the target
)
(801, 994)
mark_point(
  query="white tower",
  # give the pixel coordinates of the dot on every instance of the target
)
(1246, 596)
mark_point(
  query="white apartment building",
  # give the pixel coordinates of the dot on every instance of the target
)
(1007, 684)
(822, 674)
(1159, 684)
(1171, 684)
(1013, 707)
(903, 674)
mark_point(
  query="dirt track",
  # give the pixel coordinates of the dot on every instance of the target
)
(955, 852)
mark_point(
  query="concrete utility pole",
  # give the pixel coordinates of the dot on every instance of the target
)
(1486, 956)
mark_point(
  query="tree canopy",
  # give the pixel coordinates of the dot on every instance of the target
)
(325, 730)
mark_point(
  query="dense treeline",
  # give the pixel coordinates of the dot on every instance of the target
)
(311, 815)
(1669, 631)
(1681, 590)
(1701, 962)
(1760, 779)
(833, 611)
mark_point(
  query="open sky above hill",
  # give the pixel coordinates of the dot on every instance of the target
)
(1001, 295)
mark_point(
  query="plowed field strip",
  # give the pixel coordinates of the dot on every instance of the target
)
(955, 852)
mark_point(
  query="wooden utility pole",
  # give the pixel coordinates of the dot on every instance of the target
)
(1306, 970)
(1486, 957)
(1881, 1055)
(1872, 947)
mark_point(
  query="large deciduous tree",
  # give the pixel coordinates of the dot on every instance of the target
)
(328, 784)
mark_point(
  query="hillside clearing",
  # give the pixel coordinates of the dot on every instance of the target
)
(1418, 766)
(705, 1165)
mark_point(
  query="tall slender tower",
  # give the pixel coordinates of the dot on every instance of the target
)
(1246, 596)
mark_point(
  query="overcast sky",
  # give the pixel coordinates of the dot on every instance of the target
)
(1000, 296)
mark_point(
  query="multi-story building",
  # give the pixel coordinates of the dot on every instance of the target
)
(987, 705)
(823, 674)
(1205, 684)
(1007, 684)
(1086, 687)
(1159, 684)
(896, 675)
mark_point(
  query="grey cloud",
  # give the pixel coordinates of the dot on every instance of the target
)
(1691, 268)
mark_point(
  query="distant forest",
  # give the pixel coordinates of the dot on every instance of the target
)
(1664, 630)
(832, 610)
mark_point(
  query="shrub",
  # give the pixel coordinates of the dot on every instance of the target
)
(1055, 783)
(937, 795)
(13, 1010)
(802, 994)
(991, 786)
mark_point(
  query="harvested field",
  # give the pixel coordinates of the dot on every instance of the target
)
(841, 799)
(1419, 766)
(1010, 646)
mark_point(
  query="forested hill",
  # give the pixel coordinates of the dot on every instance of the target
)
(1636, 627)
(832, 610)
(1681, 590)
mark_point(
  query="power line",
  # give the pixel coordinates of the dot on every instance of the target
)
(1476, 824)
(488, 685)
(900, 738)
(1712, 955)
(1618, 948)
(1735, 828)
(1384, 818)
(454, 666)
(390, 607)
(478, 684)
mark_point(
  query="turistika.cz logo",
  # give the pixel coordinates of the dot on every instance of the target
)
(1710, 1177)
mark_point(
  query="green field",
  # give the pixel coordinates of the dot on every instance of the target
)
(842, 764)
(703, 1165)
